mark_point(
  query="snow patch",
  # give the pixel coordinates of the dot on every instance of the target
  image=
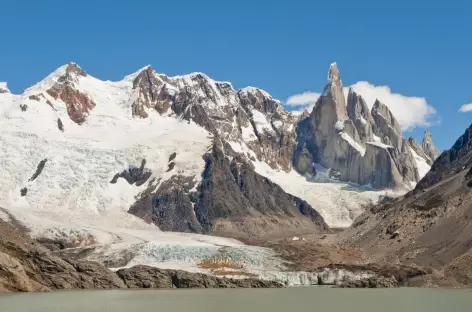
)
(353, 143)
(254, 90)
(339, 125)
(421, 164)
(378, 142)
(4, 87)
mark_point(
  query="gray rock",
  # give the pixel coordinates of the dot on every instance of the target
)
(342, 139)
(134, 175)
(151, 93)
(386, 127)
(276, 144)
(428, 146)
(419, 150)
(359, 113)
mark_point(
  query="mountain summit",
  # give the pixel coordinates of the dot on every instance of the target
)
(363, 147)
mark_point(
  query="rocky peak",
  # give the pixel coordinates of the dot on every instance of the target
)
(65, 88)
(72, 73)
(4, 87)
(151, 92)
(334, 90)
(146, 77)
(359, 113)
(73, 68)
(333, 74)
(273, 126)
(418, 149)
(428, 145)
(330, 107)
(386, 125)
(344, 138)
(303, 115)
(259, 99)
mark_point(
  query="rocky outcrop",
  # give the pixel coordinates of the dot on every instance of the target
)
(426, 150)
(428, 146)
(78, 103)
(363, 147)
(142, 276)
(386, 127)
(39, 169)
(169, 205)
(272, 125)
(232, 199)
(27, 266)
(359, 113)
(418, 149)
(151, 92)
(134, 175)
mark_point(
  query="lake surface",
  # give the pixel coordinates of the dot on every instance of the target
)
(229, 300)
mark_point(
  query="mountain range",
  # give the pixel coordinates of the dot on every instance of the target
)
(129, 166)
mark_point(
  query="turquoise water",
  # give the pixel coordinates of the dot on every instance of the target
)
(229, 300)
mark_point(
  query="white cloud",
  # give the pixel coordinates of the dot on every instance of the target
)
(410, 111)
(466, 108)
(305, 98)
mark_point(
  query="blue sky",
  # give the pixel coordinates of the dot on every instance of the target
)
(416, 48)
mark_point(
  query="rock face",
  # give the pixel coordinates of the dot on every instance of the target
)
(363, 147)
(428, 146)
(427, 150)
(359, 113)
(438, 210)
(134, 175)
(386, 126)
(78, 104)
(273, 127)
(151, 92)
(232, 200)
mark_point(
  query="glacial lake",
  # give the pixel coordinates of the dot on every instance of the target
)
(229, 300)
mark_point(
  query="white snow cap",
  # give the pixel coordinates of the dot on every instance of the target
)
(254, 90)
(4, 87)
(333, 74)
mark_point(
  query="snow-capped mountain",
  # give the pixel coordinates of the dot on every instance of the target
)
(90, 162)
(361, 146)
